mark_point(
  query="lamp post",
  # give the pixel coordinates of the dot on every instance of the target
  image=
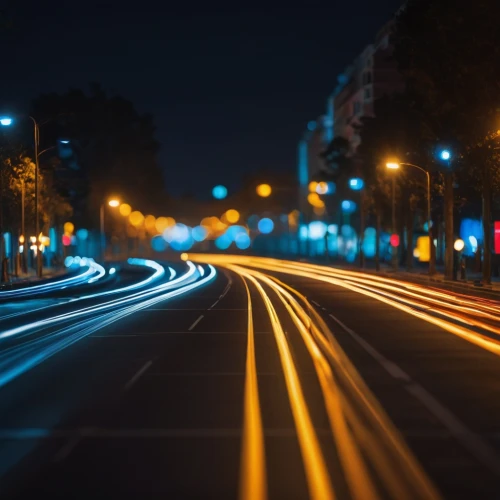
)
(7, 122)
(113, 202)
(396, 165)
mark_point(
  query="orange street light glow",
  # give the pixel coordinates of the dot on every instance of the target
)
(264, 190)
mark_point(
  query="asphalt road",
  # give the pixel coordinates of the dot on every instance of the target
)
(188, 399)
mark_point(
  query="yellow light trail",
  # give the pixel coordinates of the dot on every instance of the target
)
(253, 483)
(317, 475)
(343, 418)
(370, 286)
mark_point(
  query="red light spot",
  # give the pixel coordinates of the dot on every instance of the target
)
(66, 240)
(497, 236)
(395, 240)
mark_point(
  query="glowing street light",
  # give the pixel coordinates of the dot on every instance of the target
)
(459, 245)
(5, 121)
(395, 165)
(112, 202)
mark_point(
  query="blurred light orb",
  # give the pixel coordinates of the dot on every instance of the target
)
(114, 203)
(233, 231)
(150, 224)
(317, 230)
(242, 241)
(68, 261)
(333, 229)
(5, 121)
(394, 240)
(223, 242)
(125, 209)
(319, 211)
(348, 206)
(136, 218)
(66, 240)
(313, 186)
(81, 234)
(265, 225)
(184, 256)
(112, 271)
(69, 227)
(232, 216)
(219, 192)
(445, 155)
(179, 233)
(158, 244)
(356, 184)
(199, 233)
(322, 188)
(163, 222)
(459, 245)
(473, 243)
(264, 190)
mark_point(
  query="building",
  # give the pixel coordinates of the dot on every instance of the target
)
(371, 75)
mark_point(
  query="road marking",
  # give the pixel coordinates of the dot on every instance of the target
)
(110, 336)
(195, 323)
(137, 376)
(315, 303)
(214, 304)
(67, 448)
(471, 441)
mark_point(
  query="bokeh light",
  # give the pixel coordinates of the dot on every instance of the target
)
(114, 203)
(348, 206)
(266, 225)
(317, 230)
(223, 242)
(322, 188)
(242, 241)
(136, 218)
(356, 184)
(125, 209)
(219, 192)
(69, 228)
(199, 233)
(81, 234)
(232, 216)
(163, 222)
(150, 224)
(264, 190)
(158, 243)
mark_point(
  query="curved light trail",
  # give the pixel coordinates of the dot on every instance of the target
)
(88, 276)
(18, 359)
(374, 459)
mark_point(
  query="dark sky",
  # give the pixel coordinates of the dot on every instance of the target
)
(231, 88)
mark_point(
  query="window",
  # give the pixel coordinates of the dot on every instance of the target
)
(368, 94)
(367, 77)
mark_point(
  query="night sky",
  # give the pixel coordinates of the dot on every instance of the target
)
(231, 89)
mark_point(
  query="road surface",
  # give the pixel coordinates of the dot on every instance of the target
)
(254, 378)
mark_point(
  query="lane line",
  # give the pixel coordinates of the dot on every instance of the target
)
(214, 304)
(315, 303)
(471, 441)
(253, 479)
(195, 323)
(137, 376)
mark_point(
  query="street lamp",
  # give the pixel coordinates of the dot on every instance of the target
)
(112, 202)
(396, 165)
(7, 121)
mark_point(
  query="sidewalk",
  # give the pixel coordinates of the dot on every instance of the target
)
(31, 278)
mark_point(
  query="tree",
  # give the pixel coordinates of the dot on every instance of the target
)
(113, 147)
(445, 50)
